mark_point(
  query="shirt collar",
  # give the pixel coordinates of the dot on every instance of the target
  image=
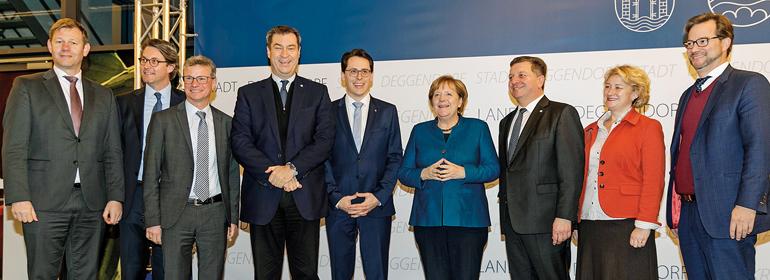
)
(349, 100)
(60, 73)
(191, 110)
(166, 91)
(278, 80)
(714, 74)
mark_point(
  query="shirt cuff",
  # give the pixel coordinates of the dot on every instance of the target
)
(646, 225)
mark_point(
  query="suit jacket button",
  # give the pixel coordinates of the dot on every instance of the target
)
(359, 159)
(75, 162)
(279, 155)
(601, 162)
(443, 151)
(601, 173)
(356, 176)
(601, 186)
(78, 140)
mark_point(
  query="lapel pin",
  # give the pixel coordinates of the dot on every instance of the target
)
(541, 111)
(301, 85)
(375, 110)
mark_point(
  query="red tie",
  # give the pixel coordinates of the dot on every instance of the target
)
(76, 109)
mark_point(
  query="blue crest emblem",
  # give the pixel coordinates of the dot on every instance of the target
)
(643, 15)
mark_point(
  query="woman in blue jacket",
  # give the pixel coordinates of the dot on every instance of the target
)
(447, 161)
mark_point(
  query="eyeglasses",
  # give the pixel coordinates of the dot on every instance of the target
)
(201, 79)
(153, 62)
(702, 42)
(354, 72)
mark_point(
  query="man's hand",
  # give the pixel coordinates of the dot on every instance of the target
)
(742, 222)
(639, 237)
(344, 204)
(153, 234)
(113, 212)
(292, 185)
(280, 175)
(450, 171)
(230, 231)
(574, 236)
(561, 230)
(24, 212)
(431, 172)
(363, 208)
(675, 232)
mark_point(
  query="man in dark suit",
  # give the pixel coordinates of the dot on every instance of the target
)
(62, 160)
(541, 165)
(158, 65)
(283, 132)
(361, 173)
(191, 179)
(720, 161)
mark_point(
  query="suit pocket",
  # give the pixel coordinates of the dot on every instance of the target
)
(631, 189)
(547, 188)
(38, 164)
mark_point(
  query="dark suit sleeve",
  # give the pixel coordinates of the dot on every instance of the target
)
(315, 154)
(384, 190)
(17, 127)
(153, 157)
(753, 115)
(570, 160)
(488, 168)
(113, 155)
(253, 160)
(234, 183)
(332, 188)
(409, 173)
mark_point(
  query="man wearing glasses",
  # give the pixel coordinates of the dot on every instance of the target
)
(361, 173)
(720, 163)
(283, 132)
(158, 67)
(191, 179)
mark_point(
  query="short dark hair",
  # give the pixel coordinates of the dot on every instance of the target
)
(67, 23)
(282, 30)
(538, 65)
(724, 27)
(168, 52)
(359, 53)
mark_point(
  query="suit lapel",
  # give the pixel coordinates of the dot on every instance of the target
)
(534, 117)
(371, 118)
(297, 95)
(220, 138)
(138, 111)
(344, 122)
(269, 102)
(714, 96)
(89, 98)
(181, 115)
(54, 89)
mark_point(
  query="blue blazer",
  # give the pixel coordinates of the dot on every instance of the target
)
(375, 168)
(730, 158)
(256, 145)
(459, 203)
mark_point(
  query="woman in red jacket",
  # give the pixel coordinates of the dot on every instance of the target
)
(623, 187)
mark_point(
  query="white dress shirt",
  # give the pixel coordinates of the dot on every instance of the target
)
(714, 74)
(193, 120)
(65, 87)
(364, 112)
(278, 82)
(524, 117)
(149, 103)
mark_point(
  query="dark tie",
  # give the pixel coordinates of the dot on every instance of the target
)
(515, 133)
(202, 162)
(357, 125)
(284, 92)
(76, 109)
(158, 105)
(699, 83)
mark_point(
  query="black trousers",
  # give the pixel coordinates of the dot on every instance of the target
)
(134, 246)
(289, 230)
(75, 230)
(533, 256)
(604, 252)
(451, 252)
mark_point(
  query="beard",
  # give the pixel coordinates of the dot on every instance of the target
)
(708, 61)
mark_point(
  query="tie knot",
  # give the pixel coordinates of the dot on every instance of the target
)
(201, 114)
(522, 111)
(157, 95)
(358, 104)
(71, 79)
(284, 83)
(699, 83)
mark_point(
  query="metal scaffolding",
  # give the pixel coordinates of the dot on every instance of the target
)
(156, 18)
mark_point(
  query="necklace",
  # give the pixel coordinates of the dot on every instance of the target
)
(450, 128)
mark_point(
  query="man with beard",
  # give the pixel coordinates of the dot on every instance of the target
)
(717, 195)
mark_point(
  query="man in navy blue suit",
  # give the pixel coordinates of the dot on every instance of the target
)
(361, 173)
(717, 201)
(283, 132)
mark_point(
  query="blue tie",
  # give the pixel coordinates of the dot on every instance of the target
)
(357, 136)
(158, 105)
(515, 133)
(699, 83)
(284, 92)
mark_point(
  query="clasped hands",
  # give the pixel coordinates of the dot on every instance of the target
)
(282, 177)
(443, 170)
(358, 209)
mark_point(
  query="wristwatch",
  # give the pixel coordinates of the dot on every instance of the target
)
(291, 165)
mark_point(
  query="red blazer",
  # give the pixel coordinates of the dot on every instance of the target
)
(631, 165)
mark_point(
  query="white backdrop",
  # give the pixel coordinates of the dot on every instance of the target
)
(573, 78)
